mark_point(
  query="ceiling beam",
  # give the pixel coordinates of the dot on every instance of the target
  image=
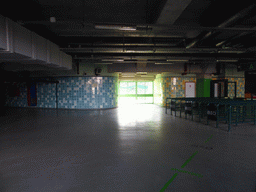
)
(228, 22)
(172, 10)
(229, 40)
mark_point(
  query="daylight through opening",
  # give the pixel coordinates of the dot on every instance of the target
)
(135, 92)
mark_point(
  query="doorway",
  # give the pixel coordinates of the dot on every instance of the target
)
(135, 92)
(219, 88)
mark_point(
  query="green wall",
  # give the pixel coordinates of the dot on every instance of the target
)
(203, 87)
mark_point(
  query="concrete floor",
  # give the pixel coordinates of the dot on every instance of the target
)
(135, 148)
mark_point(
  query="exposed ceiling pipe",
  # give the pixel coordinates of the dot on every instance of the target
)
(147, 50)
(232, 38)
(230, 21)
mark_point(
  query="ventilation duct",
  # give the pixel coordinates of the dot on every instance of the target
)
(65, 61)
(19, 45)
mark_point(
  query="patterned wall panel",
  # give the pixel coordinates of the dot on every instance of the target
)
(175, 86)
(240, 83)
(74, 93)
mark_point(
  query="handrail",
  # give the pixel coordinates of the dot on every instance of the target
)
(205, 102)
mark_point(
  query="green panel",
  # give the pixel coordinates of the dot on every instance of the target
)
(200, 88)
(207, 87)
(138, 95)
(127, 95)
(203, 87)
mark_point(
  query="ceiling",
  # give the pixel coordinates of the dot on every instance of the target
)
(149, 31)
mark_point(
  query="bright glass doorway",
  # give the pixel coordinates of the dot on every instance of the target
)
(135, 92)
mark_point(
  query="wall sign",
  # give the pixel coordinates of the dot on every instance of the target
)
(190, 89)
(246, 67)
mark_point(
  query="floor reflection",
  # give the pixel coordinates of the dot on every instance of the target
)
(139, 125)
(136, 115)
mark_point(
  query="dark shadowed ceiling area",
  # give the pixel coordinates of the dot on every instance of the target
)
(152, 31)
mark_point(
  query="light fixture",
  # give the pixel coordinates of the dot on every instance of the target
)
(178, 60)
(150, 76)
(116, 27)
(132, 50)
(119, 60)
(226, 51)
(163, 63)
(227, 60)
(52, 19)
(103, 63)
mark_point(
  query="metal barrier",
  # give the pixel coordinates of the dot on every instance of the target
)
(231, 111)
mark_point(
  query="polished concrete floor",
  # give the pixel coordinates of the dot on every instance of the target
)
(132, 148)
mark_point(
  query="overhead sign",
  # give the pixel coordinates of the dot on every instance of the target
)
(246, 67)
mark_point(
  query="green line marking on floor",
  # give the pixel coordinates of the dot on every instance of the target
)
(169, 182)
(199, 175)
(175, 175)
(208, 139)
(190, 158)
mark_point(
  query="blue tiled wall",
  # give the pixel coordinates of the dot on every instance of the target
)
(18, 101)
(74, 93)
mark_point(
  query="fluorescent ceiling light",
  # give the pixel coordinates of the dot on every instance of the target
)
(128, 28)
(128, 76)
(182, 60)
(112, 60)
(147, 76)
(139, 50)
(230, 51)
(116, 27)
(103, 63)
(133, 51)
(227, 60)
(163, 63)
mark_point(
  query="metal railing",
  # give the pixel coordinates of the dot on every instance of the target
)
(231, 111)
